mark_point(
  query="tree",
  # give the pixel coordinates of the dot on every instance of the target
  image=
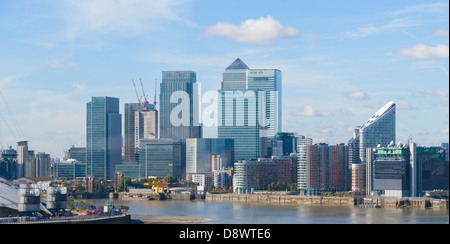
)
(170, 179)
(79, 187)
(123, 183)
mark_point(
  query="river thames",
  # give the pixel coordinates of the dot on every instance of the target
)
(253, 213)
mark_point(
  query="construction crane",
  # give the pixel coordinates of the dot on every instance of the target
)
(137, 96)
(145, 97)
(158, 186)
(154, 101)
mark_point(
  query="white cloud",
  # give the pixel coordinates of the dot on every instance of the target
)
(421, 51)
(127, 17)
(422, 8)
(440, 93)
(441, 32)
(8, 81)
(370, 29)
(309, 111)
(436, 92)
(357, 95)
(71, 65)
(444, 130)
(260, 31)
(403, 105)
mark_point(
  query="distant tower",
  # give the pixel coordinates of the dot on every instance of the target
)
(179, 105)
(249, 108)
(103, 137)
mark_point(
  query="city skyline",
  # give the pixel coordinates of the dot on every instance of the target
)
(340, 62)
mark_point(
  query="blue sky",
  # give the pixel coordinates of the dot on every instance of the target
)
(341, 61)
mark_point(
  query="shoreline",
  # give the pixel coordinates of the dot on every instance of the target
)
(167, 219)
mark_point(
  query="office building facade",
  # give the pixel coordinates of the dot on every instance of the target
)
(43, 164)
(70, 169)
(104, 137)
(322, 168)
(249, 108)
(162, 157)
(146, 126)
(409, 170)
(378, 130)
(258, 174)
(179, 106)
(131, 154)
(78, 153)
(203, 155)
(138, 124)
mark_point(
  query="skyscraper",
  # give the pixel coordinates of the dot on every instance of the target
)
(129, 141)
(249, 108)
(162, 157)
(103, 137)
(42, 162)
(179, 105)
(378, 130)
(138, 124)
(22, 158)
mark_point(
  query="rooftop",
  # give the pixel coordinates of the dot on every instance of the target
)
(238, 64)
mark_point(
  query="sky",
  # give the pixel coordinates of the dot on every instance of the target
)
(341, 61)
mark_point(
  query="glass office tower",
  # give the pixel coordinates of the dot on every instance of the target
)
(179, 105)
(378, 130)
(131, 154)
(103, 137)
(162, 157)
(249, 108)
(201, 152)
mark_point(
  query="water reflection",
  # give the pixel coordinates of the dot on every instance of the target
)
(245, 213)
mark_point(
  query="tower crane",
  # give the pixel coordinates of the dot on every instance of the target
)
(154, 101)
(145, 96)
(137, 96)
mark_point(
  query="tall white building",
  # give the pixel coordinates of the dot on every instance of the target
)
(378, 130)
(146, 125)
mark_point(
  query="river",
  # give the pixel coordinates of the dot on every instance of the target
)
(254, 213)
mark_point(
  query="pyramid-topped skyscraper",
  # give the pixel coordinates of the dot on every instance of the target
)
(249, 108)
(238, 64)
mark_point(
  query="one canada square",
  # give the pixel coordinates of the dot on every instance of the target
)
(249, 108)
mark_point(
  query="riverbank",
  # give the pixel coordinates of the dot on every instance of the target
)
(164, 219)
(376, 202)
(284, 199)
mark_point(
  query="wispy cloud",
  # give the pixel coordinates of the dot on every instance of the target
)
(264, 30)
(444, 130)
(309, 111)
(357, 95)
(421, 51)
(422, 8)
(436, 92)
(441, 32)
(371, 29)
(71, 65)
(126, 17)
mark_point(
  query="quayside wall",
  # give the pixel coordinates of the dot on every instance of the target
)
(115, 219)
(280, 199)
(380, 202)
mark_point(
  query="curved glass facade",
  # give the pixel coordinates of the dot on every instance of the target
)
(378, 130)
